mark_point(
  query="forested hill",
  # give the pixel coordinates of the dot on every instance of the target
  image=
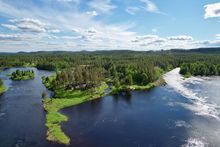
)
(57, 60)
(198, 50)
(119, 52)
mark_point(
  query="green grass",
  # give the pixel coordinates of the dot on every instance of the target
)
(22, 78)
(48, 84)
(64, 99)
(2, 89)
(131, 87)
(149, 86)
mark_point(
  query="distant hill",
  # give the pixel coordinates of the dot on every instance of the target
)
(116, 52)
(198, 50)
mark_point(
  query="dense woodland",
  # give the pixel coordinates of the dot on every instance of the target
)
(82, 70)
(200, 68)
(79, 77)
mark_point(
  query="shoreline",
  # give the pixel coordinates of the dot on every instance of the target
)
(3, 89)
(54, 118)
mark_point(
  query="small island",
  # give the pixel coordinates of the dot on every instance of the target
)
(19, 75)
(2, 87)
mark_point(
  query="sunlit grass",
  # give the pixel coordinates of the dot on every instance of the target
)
(2, 89)
(64, 99)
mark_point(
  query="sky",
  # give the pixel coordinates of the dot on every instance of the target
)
(74, 25)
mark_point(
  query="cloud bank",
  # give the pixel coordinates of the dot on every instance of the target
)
(212, 10)
(30, 27)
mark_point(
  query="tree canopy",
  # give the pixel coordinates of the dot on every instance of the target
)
(22, 75)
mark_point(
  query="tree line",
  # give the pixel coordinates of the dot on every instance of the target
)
(200, 68)
(87, 77)
(80, 77)
(82, 70)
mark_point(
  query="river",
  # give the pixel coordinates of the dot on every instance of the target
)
(184, 113)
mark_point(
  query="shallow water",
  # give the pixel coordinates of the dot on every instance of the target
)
(182, 113)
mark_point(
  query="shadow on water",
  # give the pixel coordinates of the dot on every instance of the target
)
(126, 96)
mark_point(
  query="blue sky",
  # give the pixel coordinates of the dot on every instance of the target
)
(32, 25)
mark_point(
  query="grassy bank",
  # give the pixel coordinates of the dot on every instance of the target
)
(122, 88)
(64, 99)
(2, 89)
(149, 86)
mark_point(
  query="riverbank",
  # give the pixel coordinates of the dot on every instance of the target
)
(2, 89)
(149, 86)
(66, 98)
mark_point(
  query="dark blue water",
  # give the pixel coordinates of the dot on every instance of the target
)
(165, 116)
(22, 118)
(142, 119)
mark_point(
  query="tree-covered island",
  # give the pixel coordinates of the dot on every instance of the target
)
(19, 75)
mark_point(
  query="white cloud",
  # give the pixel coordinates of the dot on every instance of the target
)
(16, 37)
(80, 30)
(54, 31)
(208, 43)
(145, 38)
(154, 42)
(11, 27)
(103, 6)
(76, 30)
(217, 36)
(180, 38)
(132, 10)
(92, 13)
(212, 10)
(91, 30)
(151, 7)
(75, 1)
(29, 21)
(4, 37)
(215, 43)
(29, 25)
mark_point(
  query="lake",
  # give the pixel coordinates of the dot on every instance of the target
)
(182, 113)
